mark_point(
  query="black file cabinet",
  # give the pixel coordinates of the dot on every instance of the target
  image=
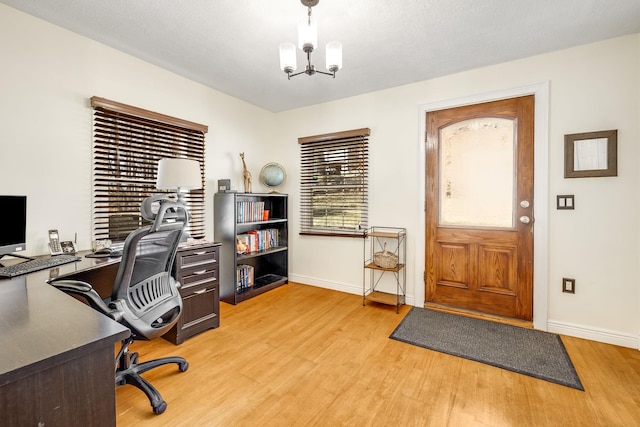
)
(197, 270)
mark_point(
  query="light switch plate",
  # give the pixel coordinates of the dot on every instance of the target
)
(565, 201)
(569, 285)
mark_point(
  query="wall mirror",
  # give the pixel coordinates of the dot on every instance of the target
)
(591, 154)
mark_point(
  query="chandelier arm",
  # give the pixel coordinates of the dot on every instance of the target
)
(327, 74)
(295, 74)
(289, 75)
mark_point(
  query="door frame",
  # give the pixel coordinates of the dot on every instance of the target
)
(540, 191)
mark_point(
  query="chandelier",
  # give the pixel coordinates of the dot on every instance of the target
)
(307, 42)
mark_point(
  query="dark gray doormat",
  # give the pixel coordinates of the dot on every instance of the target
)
(526, 351)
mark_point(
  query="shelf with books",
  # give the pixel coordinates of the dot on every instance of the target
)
(253, 229)
(259, 285)
(264, 252)
(257, 240)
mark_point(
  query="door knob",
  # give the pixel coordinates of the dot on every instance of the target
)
(525, 219)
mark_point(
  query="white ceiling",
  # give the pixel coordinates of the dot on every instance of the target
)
(232, 45)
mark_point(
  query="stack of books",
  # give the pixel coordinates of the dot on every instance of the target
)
(250, 212)
(258, 240)
(244, 277)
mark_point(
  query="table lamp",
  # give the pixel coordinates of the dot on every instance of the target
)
(177, 174)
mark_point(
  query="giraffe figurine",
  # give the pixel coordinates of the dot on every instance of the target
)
(246, 175)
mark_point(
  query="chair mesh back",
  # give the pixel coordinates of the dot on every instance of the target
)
(144, 291)
(155, 253)
(150, 291)
(145, 272)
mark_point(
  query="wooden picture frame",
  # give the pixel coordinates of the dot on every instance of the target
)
(591, 154)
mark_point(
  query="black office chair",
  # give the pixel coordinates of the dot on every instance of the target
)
(145, 296)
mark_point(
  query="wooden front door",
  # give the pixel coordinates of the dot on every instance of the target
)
(479, 193)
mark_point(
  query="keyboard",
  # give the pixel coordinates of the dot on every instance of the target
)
(36, 265)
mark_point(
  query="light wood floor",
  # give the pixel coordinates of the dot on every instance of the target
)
(306, 356)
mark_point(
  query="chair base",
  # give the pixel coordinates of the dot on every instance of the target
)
(129, 372)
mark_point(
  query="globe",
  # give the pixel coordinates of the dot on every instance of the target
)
(272, 175)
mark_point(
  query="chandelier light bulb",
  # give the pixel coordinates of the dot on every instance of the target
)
(334, 56)
(288, 62)
(308, 36)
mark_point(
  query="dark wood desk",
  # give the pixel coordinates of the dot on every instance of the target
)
(56, 353)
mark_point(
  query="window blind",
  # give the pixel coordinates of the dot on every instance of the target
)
(128, 142)
(334, 183)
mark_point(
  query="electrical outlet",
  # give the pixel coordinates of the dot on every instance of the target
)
(569, 285)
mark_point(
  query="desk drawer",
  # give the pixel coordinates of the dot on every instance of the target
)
(200, 310)
(197, 259)
(197, 279)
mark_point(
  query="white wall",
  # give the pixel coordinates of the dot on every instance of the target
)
(593, 87)
(48, 75)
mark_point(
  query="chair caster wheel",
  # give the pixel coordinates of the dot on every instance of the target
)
(183, 366)
(160, 408)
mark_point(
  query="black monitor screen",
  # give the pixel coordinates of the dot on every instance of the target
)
(13, 224)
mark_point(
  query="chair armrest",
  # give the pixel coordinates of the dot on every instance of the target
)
(86, 291)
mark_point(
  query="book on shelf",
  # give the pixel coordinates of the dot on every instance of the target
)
(257, 240)
(244, 277)
(250, 211)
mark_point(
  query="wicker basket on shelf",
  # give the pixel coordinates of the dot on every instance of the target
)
(385, 259)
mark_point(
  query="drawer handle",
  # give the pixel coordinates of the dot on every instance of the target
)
(199, 272)
(200, 253)
(201, 291)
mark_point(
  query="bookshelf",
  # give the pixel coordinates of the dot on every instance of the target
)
(253, 229)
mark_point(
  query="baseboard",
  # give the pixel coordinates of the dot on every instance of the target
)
(563, 328)
(336, 286)
(594, 334)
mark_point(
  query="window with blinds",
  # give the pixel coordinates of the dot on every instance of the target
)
(128, 142)
(334, 183)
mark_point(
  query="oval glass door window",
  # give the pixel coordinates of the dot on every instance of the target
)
(477, 173)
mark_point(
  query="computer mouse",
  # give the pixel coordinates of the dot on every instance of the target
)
(103, 251)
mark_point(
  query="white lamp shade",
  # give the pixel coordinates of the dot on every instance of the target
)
(334, 56)
(179, 174)
(308, 35)
(288, 61)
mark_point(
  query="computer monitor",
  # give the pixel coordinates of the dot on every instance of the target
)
(13, 225)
